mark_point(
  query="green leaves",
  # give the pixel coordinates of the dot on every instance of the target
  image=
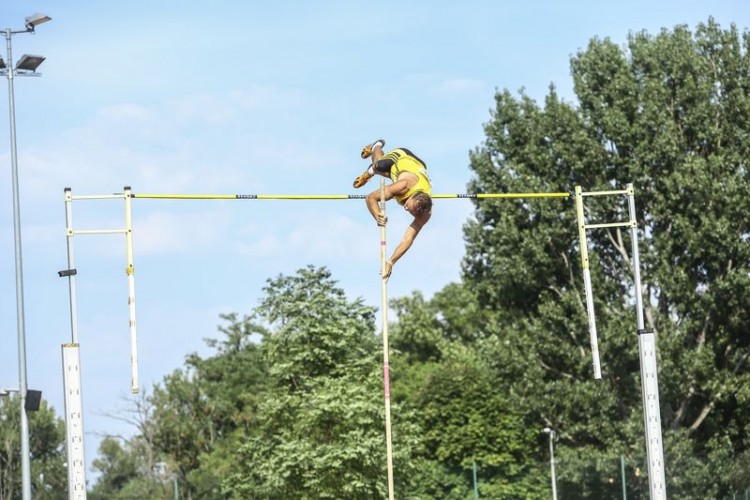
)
(318, 332)
(47, 448)
(668, 112)
(328, 443)
(321, 429)
(466, 420)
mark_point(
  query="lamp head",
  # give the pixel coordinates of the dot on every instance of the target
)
(29, 62)
(35, 20)
(4, 393)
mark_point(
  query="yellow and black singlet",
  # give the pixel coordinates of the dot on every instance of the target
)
(402, 160)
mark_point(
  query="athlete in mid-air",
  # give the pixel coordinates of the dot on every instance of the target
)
(410, 186)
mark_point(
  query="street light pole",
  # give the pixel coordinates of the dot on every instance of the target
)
(551, 433)
(31, 23)
(25, 452)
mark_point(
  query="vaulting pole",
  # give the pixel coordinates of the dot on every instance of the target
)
(386, 367)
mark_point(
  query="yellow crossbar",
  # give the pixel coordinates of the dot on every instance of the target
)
(334, 196)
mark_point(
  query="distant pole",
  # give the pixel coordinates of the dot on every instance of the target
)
(551, 433)
(622, 475)
(386, 368)
(474, 474)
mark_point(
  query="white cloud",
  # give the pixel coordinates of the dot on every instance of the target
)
(314, 236)
(217, 109)
(459, 86)
(196, 143)
(263, 246)
(126, 111)
(439, 84)
(334, 237)
(163, 232)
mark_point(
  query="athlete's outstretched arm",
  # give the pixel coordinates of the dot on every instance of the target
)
(409, 236)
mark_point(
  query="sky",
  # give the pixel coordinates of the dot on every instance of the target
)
(250, 97)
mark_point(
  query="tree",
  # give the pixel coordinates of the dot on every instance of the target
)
(442, 374)
(47, 448)
(467, 421)
(131, 467)
(202, 413)
(187, 430)
(126, 471)
(670, 114)
(321, 426)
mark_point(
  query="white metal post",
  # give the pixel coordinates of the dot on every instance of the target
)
(130, 271)
(74, 422)
(70, 272)
(649, 376)
(587, 284)
(72, 374)
(553, 476)
(552, 464)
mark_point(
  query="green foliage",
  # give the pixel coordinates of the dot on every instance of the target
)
(670, 114)
(201, 413)
(466, 420)
(47, 447)
(116, 466)
(321, 423)
(442, 374)
(318, 332)
(125, 472)
(328, 443)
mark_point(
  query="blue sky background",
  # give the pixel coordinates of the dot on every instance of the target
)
(251, 97)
